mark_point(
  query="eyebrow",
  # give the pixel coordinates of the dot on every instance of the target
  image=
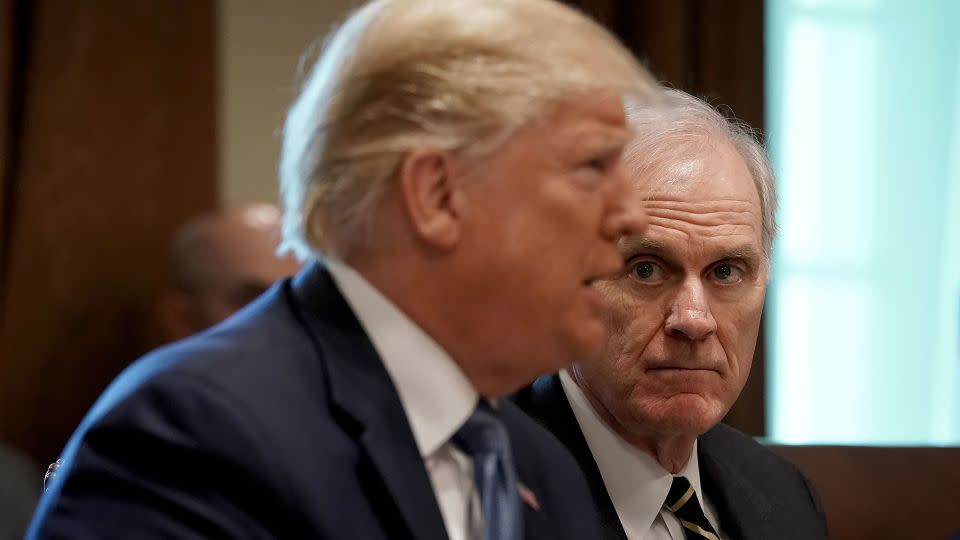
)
(633, 244)
(637, 244)
(745, 252)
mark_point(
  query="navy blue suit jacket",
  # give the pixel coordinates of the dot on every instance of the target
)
(280, 423)
(758, 495)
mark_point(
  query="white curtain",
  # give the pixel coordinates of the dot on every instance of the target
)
(864, 130)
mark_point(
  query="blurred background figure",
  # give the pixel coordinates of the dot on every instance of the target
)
(219, 263)
(19, 491)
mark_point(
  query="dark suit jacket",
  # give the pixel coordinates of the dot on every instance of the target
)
(280, 423)
(757, 494)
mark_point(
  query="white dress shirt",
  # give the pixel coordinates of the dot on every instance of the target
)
(636, 482)
(436, 396)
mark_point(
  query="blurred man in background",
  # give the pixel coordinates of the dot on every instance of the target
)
(453, 169)
(644, 421)
(219, 263)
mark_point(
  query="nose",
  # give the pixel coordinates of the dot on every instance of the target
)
(627, 215)
(690, 316)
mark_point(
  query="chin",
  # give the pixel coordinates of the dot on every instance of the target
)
(684, 414)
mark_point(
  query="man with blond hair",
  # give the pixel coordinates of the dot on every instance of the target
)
(644, 421)
(452, 169)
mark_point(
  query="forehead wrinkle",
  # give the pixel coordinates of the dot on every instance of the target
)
(706, 219)
(666, 236)
(699, 232)
(697, 222)
(710, 213)
(658, 200)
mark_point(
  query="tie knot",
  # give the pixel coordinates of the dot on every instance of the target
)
(482, 433)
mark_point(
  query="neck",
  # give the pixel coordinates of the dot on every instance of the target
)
(672, 451)
(422, 294)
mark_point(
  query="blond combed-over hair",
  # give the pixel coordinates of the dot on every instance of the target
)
(457, 75)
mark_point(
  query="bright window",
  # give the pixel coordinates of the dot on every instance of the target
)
(863, 316)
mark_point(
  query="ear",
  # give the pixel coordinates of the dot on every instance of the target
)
(430, 180)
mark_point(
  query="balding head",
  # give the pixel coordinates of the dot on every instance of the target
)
(219, 263)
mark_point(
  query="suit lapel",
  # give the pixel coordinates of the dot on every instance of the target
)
(547, 403)
(744, 511)
(361, 391)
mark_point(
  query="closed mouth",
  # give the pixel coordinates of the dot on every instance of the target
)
(681, 368)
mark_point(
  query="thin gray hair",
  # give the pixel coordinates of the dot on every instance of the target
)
(680, 122)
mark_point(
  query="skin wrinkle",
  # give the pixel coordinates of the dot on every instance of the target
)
(682, 339)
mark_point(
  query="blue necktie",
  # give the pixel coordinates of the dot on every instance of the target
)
(484, 438)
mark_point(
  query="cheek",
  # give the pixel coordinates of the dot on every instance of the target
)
(616, 313)
(739, 331)
(629, 328)
(631, 321)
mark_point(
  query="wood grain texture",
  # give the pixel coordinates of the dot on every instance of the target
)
(878, 493)
(117, 148)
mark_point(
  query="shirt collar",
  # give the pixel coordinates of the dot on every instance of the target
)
(636, 482)
(423, 373)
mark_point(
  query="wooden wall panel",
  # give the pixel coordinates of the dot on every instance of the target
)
(877, 493)
(6, 68)
(117, 148)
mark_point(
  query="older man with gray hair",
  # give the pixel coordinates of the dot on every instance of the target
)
(453, 169)
(683, 317)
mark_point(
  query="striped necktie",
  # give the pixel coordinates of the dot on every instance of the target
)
(682, 501)
(484, 438)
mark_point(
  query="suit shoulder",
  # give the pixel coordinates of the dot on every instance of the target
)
(253, 338)
(241, 361)
(763, 466)
(527, 431)
(738, 448)
(731, 454)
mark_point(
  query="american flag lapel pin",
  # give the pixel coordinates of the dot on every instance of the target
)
(528, 497)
